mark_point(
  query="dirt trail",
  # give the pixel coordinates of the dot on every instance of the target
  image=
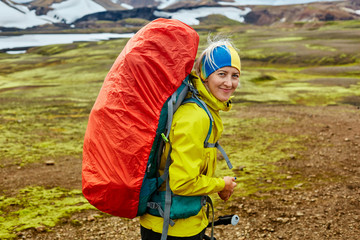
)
(326, 205)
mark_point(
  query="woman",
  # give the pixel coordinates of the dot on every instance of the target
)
(216, 76)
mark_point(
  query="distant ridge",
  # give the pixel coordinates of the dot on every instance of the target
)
(22, 14)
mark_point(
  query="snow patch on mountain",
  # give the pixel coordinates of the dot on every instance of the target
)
(70, 10)
(127, 6)
(35, 40)
(351, 10)
(271, 2)
(165, 3)
(22, 1)
(19, 16)
(190, 16)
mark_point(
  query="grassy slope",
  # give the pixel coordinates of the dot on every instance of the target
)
(46, 96)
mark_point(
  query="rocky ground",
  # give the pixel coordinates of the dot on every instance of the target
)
(325, 205)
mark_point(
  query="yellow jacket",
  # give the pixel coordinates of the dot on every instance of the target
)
(193, 166)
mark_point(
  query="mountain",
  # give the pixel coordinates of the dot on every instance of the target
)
(327, 11)
(22, 14)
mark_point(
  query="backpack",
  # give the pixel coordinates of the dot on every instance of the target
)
(125, 124)
(130, 122)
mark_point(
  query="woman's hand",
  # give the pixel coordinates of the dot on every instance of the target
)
(228, 190)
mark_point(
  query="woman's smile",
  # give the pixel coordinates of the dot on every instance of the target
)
(223, 82)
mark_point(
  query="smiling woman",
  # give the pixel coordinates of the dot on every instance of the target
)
(193, 161)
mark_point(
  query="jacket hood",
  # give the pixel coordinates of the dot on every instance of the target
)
(207, 96)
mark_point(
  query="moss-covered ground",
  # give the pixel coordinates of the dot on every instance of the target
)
(36, 207)
(46, 96)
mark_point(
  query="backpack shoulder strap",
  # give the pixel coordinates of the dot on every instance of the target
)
(202, 104)
(175, 101)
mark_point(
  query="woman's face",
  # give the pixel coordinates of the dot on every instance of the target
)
(223, 82)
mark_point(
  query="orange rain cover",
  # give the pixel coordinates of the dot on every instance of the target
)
(123, 122)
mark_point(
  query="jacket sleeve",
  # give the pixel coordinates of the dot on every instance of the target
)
(189, 173)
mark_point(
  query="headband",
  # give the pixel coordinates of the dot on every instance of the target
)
(221, 56)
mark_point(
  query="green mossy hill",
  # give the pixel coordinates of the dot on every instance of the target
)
(36, 207)
(46, 97)
(217, 19)
(263, 78)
